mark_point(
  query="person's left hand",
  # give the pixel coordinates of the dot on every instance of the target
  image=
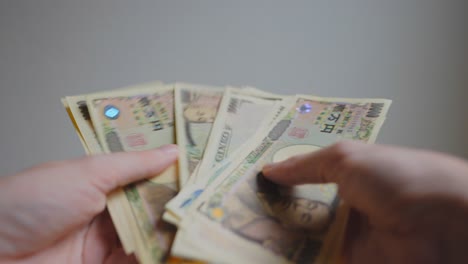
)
(54, 213)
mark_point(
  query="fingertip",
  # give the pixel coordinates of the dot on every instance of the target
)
(163, 157)
(269, 170)
(171, 150)
(120, 169)
(164, 154)
(275, 173)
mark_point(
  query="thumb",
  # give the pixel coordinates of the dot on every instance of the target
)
(323, 166)
(107, 172)
(51, 200)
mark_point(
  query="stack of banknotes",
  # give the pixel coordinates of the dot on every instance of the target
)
(214, 205)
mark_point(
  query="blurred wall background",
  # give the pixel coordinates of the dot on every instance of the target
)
(413, 52)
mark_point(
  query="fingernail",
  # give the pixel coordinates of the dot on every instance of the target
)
(268, 168)
(170, 149)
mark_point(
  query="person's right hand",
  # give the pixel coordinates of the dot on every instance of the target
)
(408, 206)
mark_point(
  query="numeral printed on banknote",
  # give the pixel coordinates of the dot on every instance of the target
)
(245, 213)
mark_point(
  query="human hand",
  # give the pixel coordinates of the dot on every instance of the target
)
(54, 213)
(408, 206)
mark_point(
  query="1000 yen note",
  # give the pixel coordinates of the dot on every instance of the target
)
(239, 117)
(251, 220)
(134, 120)
(196, 108)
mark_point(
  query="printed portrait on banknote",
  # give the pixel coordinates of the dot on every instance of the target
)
(288, 225)
(153, 198)
(290, 222)
(199, 112)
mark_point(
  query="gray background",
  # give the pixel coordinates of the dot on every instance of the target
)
(414, 52)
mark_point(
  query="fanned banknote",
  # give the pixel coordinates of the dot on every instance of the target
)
(241, 115)
(135, 120)
(196, 108)
(78, 111)
(227, 212)
(66, 105)
(244, 218)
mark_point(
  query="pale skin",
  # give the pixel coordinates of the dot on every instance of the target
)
(55, 212)
(408, 206)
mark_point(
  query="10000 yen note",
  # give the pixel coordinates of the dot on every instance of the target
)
(196, 108)
(66, 105)
(244, 218)
(79, 115)
(239, 117)
(135, 120)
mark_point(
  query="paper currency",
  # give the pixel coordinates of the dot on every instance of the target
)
(72, 119)
(78, 111)
(240, 116)
(133, 121)
(250, 219)
(196, 108)
(225, 210)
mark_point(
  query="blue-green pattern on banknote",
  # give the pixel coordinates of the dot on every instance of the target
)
(291, 222)
(139, 122)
